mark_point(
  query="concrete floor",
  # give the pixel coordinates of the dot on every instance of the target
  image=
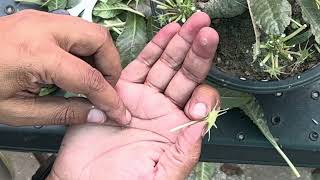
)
(24, 165)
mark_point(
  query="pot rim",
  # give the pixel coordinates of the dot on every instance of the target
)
(264, 87)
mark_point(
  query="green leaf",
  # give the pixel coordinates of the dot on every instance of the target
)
(115, 24)
(204, 171)
(301, 38)
(152, 27)
(49, 89)
(133, 38)
(73, 3)
(252, 108)
(272, 16)
(315, 174)
(311, 14)
(255, 112)
(223, 8)
(106, 10)
(38, 2)
(231, 98)
(55, 4)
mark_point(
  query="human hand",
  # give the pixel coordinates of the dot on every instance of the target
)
(39, 48)
(161, 89)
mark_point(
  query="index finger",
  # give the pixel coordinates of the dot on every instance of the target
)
(74, 75)
(83, 38)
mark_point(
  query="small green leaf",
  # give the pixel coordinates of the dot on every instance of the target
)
(272, 16)
(133, 38)
(223, 8)
(55, 4)
(106, 10)
(47, 90)
(204, 171)
(311, 14)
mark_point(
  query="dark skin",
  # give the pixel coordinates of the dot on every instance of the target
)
(40, 48)
(161, 90)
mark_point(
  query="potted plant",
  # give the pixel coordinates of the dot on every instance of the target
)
(266, 46)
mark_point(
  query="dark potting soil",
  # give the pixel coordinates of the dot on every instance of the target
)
(234, 54)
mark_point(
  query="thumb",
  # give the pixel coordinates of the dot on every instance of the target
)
(181, 157)
(48, 110)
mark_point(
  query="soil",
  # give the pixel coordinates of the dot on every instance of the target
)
(234, 54)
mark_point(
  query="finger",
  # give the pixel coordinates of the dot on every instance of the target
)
(73, 75)
(48, 110)
(171, 59)
(179, 160)
(137, 70)
(83, 38)
(107, 61)
(204, 98)
(195, 67)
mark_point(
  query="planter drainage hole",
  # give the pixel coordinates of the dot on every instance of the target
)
(275, 120)
(315, 95)
(241, 136)
(9, 10)
(313, 136)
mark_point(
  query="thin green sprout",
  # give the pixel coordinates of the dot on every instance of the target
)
(210, 120)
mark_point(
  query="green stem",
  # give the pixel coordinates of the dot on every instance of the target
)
(317, 48)
(256, 50)
(294, 21)
(295, 33)
(116, 30)
(183, 126)
(295, 53)
(263, 62)
(121, 24)
(158, 2)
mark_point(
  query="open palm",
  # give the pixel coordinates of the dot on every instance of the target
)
(161, 90)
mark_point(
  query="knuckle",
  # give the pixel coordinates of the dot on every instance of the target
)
(25, 79)
(94, 80)
(102, 33)
(65, 115)
(191, 75)
(170, 61)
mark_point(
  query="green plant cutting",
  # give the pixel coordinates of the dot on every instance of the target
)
(210, 120)
(284, 42)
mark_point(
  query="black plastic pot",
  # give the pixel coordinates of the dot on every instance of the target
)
(264, 87)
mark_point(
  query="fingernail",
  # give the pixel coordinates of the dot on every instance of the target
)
(128, 118)
(96, 116)
(199, 111)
